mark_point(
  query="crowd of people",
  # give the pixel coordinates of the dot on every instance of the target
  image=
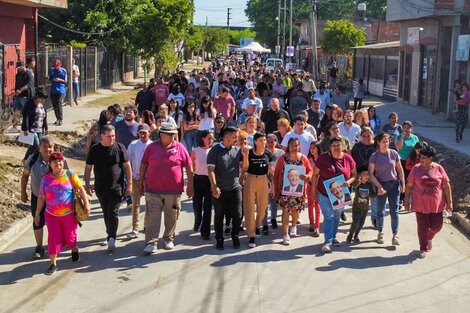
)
(251, 142)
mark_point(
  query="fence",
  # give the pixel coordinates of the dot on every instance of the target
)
(99, 67)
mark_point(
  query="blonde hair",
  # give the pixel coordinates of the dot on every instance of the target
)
(284, 122)
(361, 113)
(367, 129)
(243, 134)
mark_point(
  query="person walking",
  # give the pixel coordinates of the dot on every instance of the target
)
(359, 94)
(36, 166)
(108, 159)
(255, 187)
(56, 194)
(135, 153)
(290, 204)
(462, 112)
(58, 79)
(161, 180)
(202, 200)
(386, 173)
(223, 164)
(428, 194)
(299, 132)
(35, 119)
(24, 90)
(75, 81)
(331, 164)
(313, 205)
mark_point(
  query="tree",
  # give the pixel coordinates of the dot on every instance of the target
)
(216, 40)
(340, 36)
(236, 35)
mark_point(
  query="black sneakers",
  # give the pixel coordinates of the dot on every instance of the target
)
(273, 223)
(343, 217)
(236, 242)
(75, 256)
(220, 244)
(39, 252)
(51, 270)
(265, 230)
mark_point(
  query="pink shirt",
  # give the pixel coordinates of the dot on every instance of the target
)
(224, 106)
(427, 194)
(165, 167)
(160, 94)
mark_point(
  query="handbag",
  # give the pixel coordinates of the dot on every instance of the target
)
(81, 214)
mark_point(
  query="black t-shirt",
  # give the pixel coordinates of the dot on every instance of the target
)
(107, 166)
(270, 119)
(333, 71)
(25, 78)
(258, 164)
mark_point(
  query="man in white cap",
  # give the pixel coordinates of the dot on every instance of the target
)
(161, 179)
(135, 152)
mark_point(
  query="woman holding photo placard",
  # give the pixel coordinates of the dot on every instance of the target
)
(291, 203)
(329, 165)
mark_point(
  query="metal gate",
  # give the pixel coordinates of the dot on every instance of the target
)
(9, 58)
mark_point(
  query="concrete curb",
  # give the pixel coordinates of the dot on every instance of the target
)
(460, 222)
(14, 231)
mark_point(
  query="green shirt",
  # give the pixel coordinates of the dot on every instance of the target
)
(363, 194)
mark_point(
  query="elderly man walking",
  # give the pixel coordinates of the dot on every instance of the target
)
(161, 178)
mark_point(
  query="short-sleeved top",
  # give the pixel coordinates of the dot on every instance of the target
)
(25, 78)
(226, 164)
(38, 170)
(107, 166)
(258, 164)
(58, 192)
(224, 106)
(58, 87)
(126, 134)
(408, 145)
(393, 132)
(200, 161)
(385, 165)
(305, 140)
(135, 152)
(427, 195)
(326, 163)
(165, 168)
(179, 98)
(160, 94)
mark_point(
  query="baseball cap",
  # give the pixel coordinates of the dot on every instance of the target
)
(251, 102)
(143, 128)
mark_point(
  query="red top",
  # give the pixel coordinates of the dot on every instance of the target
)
(279, 171)
(165, 167)
(427, 194)
(329, 170)
(160, 94)
(224, 106)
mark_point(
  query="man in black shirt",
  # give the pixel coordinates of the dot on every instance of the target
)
(271, 116)
(333, 74)
(24, 89)
(107, 158)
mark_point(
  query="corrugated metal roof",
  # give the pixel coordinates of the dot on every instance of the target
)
(391, 44)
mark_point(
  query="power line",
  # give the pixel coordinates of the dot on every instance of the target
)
(73, 30)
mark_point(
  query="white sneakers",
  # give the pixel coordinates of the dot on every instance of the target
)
(111, 244)
(293, 231)
(326, 248)
(150, 249)
(169, 245)
(286, 240)
(133, 234)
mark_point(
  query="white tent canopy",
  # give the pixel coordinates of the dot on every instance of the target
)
(253, 47)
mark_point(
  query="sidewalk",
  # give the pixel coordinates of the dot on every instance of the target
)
(434, 127)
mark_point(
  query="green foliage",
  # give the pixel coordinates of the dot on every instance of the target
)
(78, 45)
(236, 35)
(195, 38)
(339, 36)
(216, 40)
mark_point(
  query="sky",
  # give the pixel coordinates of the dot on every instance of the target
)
(216, 12)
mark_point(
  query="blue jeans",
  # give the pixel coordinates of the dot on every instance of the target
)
(373, 208)
(190, 140)
(330, 218)
(273, 208)
(76, 91)
(392, 189)
(19, 103)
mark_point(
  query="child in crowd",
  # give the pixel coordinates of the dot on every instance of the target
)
(413, 159)
(364, 190)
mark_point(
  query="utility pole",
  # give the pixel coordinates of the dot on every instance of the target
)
(290, 31)
(278, 29)
(206, 21)
(228, 18)
(284, 30)
(314, 41)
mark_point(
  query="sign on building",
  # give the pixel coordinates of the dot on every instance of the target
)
(413, 36)
(463, 46)
(290, 51)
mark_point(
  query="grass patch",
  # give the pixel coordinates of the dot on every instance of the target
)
(5, 168)
(122, 98)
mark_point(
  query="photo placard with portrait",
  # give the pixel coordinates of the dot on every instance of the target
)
(292, 184)
(339, 196)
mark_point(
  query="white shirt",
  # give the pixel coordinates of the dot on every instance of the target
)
(259, 103)
(179, 98)
(135, 152)
(352, 133)
(205, 123)
(305, 140)
(76, 70)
